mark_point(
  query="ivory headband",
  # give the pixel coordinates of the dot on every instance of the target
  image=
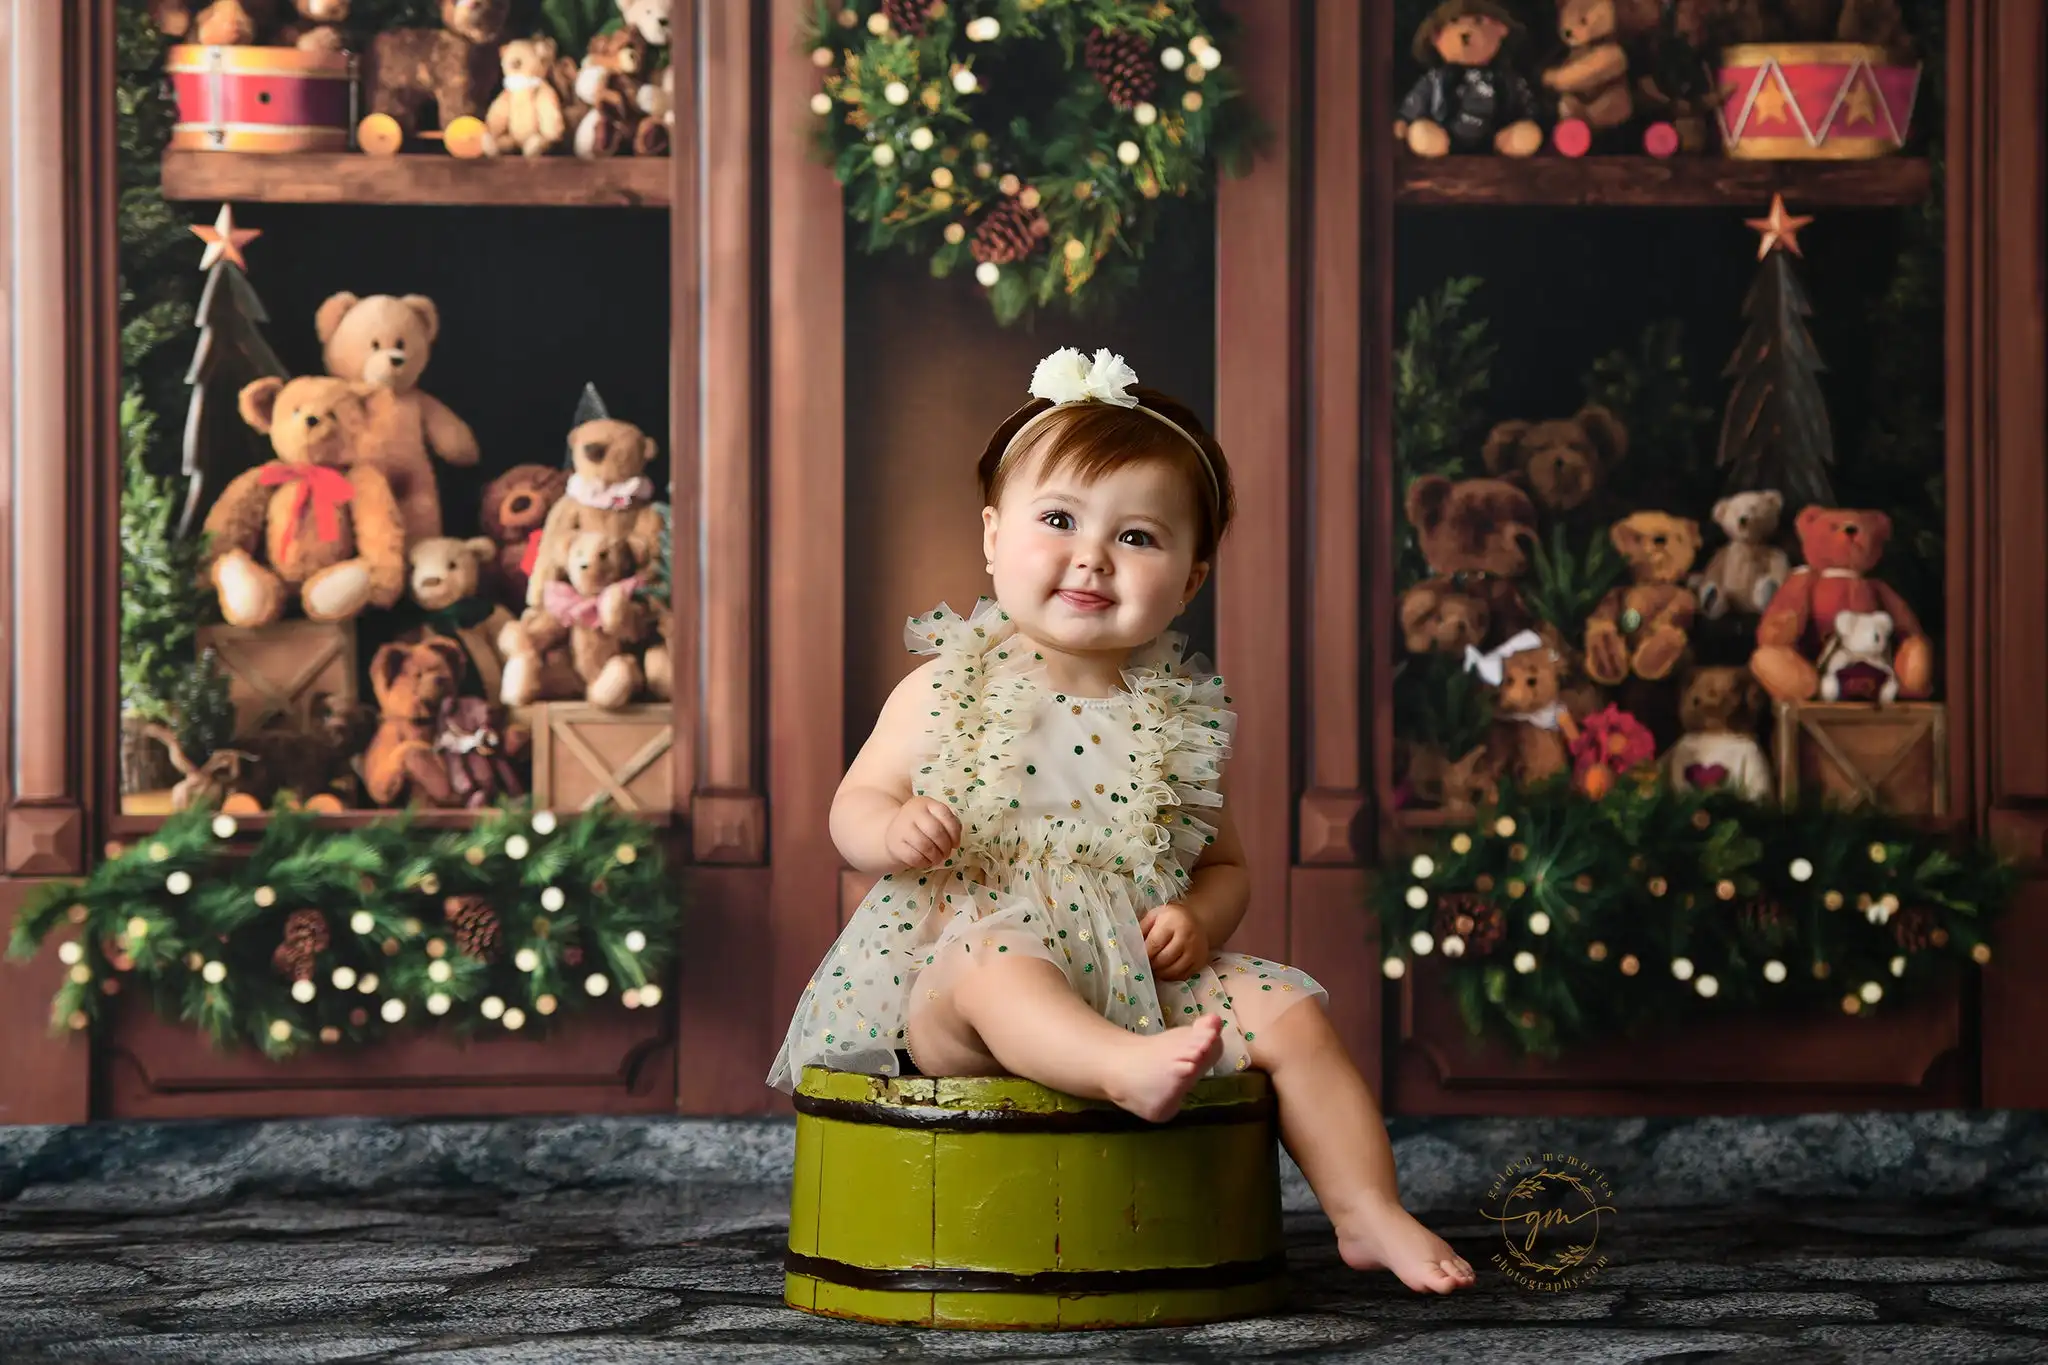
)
(1066, 377)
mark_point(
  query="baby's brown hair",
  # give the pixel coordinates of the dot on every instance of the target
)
(1093, 438)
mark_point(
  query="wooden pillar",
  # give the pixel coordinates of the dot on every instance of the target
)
(1997, 429)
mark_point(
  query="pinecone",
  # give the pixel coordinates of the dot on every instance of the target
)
(1471, 918)
(1122, 62)
(1008, 232)
(475, 925)
(572, 956)
(908, 17)
(1913, 927)
(305, 938)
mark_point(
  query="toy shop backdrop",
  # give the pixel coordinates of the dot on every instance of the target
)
(489, 573)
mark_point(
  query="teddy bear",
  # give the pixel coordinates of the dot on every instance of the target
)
(1859, 650)
(1592, 81)
(447, 582)
(410, 679)
(1475, 536)
(453, 67)
(1562, 462)
(515, 508)
(592, 605)
(224, 23)
(1841, 546)
(312, 765)
(1533, 730)
(318, 27)
(527, 114)
(1719, 708)
(648, 18)
(477, 747)
(1744, 573)
(1641, 627)
(1471, 98)
(315, 520)
(607, 111)
(388, 341)
(608, 490)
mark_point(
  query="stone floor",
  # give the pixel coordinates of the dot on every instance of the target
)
(689, 1272)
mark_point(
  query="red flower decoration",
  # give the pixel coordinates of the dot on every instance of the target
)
(1610, 741)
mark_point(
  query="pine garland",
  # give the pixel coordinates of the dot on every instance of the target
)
(1035, 142)
(1651, 908)
(582, 906)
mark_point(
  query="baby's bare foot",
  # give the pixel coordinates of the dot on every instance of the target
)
(1155, 1073)
(1383, 1235)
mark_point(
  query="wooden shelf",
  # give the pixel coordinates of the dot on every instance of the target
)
(425, 178)
(1704, 181)
(130, 825)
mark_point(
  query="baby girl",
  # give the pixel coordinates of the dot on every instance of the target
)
(1042, 803)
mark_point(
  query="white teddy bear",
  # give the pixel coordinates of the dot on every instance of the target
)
(1861, 637)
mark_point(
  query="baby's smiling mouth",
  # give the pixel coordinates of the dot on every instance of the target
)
(1085, 601)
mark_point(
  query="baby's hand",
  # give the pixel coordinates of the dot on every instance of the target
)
(922, 832)
(1175, 941)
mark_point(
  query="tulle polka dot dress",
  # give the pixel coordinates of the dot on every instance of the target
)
(1078, 815)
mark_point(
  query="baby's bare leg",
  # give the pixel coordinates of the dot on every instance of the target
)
(1018, 1015)
(1334, 1131)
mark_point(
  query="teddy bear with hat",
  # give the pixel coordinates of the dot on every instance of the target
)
(1471, 99)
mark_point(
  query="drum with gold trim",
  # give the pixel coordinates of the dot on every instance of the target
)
(261, 99)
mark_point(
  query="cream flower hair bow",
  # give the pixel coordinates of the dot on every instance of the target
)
(1066, 376)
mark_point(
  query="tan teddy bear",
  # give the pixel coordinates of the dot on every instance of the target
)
(527, 114)
(608, 491)
(591, 605)
(313, 520)
(388, 341)
(1747, 572)
(447, 580)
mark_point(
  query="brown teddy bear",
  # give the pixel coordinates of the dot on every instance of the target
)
(318, 27)
(1533, 730)
(1592, 81)
(594, 607)
(608, 490)
(1475, 535)
(447, 585)
(313, 521)
(527, 114)
(1719, 710)
(453, 67)
(1745, 573)
(388, 341)
(410, 680)
(1642, 627)
(1842, 545)
(477, 746)
(1471, 99)
(607, 110)
(1563, 462)
(515, 508)
(224, 23)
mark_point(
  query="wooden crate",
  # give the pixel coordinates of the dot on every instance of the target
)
(276, 671)
(1856, 754)
(584, 755)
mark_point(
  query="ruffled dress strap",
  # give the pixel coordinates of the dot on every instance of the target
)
(1180, 751)
(978, 711)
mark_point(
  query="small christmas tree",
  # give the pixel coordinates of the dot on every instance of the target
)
(1775, 433)
(230, 354)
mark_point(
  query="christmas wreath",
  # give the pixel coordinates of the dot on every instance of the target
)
(344, 936)
(1561, 919)
(1038, 141)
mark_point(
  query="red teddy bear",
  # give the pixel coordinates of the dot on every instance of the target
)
(1841, 545)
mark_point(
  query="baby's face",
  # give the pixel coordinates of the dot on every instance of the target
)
(1094, 568)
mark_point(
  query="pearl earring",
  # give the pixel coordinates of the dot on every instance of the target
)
(988, 568)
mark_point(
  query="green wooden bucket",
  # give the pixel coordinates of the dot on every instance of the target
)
(992, 1202)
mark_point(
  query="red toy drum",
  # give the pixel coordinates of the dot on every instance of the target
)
(1814, 102)
(261, 99)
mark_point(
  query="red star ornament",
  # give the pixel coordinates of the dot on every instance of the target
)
(224, 239)
(1780, 229)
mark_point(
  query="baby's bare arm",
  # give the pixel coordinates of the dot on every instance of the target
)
(878, 782)
(1219, 889)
